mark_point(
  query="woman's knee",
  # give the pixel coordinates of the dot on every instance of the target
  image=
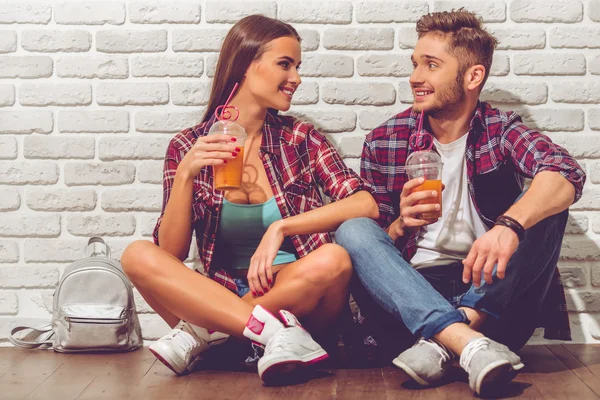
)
(137, 259)
(331, 265)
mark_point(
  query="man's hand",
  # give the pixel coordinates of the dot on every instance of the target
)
(410, 212)
(496, 246)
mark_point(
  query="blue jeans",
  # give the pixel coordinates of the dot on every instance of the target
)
(425, 309)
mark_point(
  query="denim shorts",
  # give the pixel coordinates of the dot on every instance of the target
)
(242, 286)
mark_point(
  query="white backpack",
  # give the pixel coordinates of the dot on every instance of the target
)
(93, 308)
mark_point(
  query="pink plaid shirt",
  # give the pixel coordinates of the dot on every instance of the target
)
(298, 161)
(501, 151)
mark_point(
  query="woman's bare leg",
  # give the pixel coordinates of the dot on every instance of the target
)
(183, 293)
(314, 287)
(170, 318)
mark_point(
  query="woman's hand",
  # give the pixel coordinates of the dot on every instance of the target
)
(213, 149)
(260, 272)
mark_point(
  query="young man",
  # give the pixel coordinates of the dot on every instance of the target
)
(487, 266)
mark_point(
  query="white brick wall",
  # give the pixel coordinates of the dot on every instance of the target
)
(92, 91)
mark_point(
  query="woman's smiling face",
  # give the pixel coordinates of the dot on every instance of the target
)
(273, 78)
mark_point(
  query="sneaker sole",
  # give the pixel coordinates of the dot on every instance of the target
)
(518, 367)
(163, 358)
(515, 371)
(493, 375)
(410, 372)
(271, 370)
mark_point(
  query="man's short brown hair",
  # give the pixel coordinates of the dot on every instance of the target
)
(468, 41)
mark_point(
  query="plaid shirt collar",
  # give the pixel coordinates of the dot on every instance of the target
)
(272, 134)
(476, 126)
(273, 131)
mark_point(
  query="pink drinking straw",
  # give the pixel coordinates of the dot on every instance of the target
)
(224, 111)
(421, 140)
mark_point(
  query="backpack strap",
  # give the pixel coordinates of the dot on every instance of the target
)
(43, 335)
(97, 247)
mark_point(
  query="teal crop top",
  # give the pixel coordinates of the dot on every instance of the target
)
(241, 228)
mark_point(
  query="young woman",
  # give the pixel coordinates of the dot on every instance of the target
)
(265, 247)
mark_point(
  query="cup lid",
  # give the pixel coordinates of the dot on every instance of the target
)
(423, 157)
(228, 127)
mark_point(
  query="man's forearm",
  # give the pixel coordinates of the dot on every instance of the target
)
(549, 194)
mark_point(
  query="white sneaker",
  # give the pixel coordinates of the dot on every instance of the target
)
(289, 347)
(180, 347)
(261, 326)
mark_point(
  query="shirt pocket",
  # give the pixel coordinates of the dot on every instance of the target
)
(298, 184)
(301, 193)
(484, 167)
(203, 199)
(487, 161)
(296, 177)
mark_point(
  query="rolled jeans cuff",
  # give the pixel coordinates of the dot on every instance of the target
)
(442, 322)
(470, 300)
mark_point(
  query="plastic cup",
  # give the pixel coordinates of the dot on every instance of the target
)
(427, 164)
(229, 176)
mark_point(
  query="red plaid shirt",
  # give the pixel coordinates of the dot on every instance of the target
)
(298, 160)
(501, 151)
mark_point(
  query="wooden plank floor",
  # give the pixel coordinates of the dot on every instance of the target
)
(552, 372)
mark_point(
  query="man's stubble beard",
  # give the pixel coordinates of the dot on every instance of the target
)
(449, 100)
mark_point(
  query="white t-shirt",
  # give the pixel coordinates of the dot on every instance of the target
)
(451, 237)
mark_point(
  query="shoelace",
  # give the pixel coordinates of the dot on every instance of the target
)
(439, 348)
(183, 339)
(470, 350)
(279, 338)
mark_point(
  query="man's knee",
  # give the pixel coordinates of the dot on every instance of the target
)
(556, 223)
(559, 221)
(354, 233)
(548, 231)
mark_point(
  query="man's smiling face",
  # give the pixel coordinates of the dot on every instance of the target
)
(437, 82)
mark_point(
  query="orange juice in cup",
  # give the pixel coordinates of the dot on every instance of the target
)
(229, 176)
(431, 184)
(427, 164)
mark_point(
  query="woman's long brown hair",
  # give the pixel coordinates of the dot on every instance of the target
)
(244, 43)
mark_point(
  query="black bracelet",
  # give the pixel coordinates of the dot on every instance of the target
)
(509, 222)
